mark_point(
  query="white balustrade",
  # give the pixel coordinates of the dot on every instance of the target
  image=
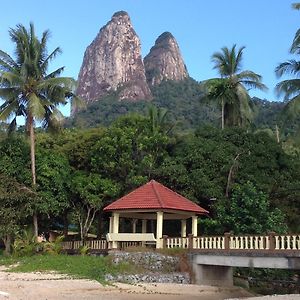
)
(290, 242)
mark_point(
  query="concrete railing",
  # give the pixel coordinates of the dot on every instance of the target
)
(92, 244)
(271, 242)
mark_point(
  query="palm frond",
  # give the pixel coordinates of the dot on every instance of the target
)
(228, 62)
(55, 73)
(6, 62)
(51, 56)
(8, 109)
(76, 102)
(53, 119)
(295, 48)
(288, 88)
(246, 113)
(291, 67)
(239, 58)
(12, 126)
(35, 107)
(296, 5)
(8, 92)
(13, 79)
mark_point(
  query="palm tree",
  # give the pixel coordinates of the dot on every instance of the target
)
(28, 90)
(158, 118)
(231, 89)
(290, 88)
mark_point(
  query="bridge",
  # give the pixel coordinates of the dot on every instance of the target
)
(213, 257)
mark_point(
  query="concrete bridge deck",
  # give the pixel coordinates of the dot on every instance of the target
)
(216, 267)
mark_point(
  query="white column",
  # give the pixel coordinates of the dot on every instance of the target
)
(159, 228)
(134, 221)
(144, 229)
(183, 228)
(116, 217)
(144, 226)
(110, 224)
(194, 226)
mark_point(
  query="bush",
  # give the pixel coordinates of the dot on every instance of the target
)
(55, 247)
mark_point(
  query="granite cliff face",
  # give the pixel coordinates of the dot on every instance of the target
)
(113, 62)
(164, 61)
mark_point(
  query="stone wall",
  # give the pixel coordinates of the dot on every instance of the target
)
(157, 267)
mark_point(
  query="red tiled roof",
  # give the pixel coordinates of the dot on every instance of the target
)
(154, 195)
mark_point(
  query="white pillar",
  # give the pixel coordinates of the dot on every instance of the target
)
(144, 226)
(134, 221)
(144, 229)
(183, 228)
(116, 217)
(110, 224)
(194, 226)
(159, 228)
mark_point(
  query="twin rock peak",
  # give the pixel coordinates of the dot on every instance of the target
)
(113, 63)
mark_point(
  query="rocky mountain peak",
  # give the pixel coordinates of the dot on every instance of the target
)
(164, 61)
(113, 62)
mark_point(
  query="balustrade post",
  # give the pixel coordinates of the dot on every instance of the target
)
(272, 240)
(227, 240)
(165, 240)
(191, 242)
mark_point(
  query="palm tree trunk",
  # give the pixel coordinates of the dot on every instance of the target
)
(222, 126)
(230, 175)
(33, 174)
(277, 134)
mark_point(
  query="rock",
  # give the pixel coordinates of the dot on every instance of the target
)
(157, 277)
(164, 61)
(113, 62)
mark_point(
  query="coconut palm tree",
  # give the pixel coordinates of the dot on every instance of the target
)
(158, 118)
(231, 89)
(290, 88)
(28, 90)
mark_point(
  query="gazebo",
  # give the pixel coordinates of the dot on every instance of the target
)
(154, 201)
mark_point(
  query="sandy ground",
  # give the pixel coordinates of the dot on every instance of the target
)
(50, 286)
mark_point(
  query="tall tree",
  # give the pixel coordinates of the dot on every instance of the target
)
(16, 204)
(28, 89)
(231, 90)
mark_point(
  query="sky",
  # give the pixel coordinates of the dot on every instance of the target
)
(265, 27)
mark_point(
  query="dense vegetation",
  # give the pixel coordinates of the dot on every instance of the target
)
(80, 171)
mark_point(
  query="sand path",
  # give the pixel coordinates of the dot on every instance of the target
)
(50, 286)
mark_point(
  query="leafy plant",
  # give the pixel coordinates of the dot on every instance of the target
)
(54, 247)
(26, 244)
(84, 250)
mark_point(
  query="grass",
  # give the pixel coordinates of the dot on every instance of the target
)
(89, 267)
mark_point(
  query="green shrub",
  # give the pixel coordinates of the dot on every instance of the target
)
(25, 244)
(54, 247)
